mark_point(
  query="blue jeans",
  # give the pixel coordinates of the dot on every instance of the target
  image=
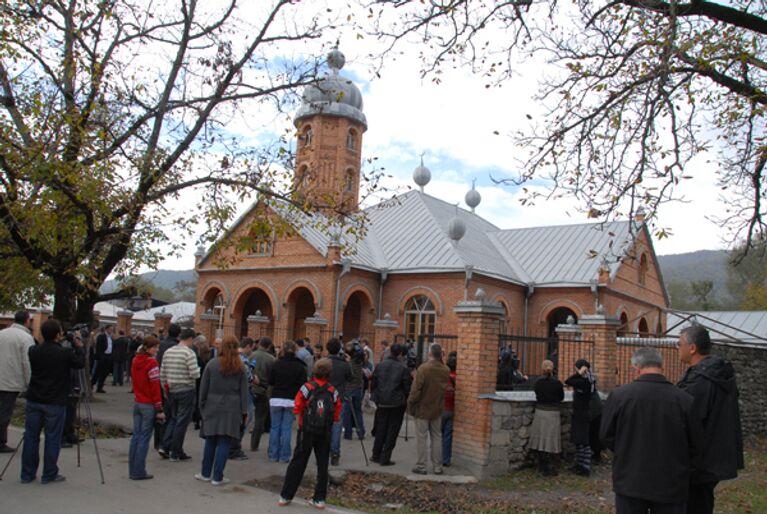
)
(353, 400)
(41, 416)
(279, 435)
(214, 456)
(447, 437)
(143, 426)
(335, 439)
(181, 410)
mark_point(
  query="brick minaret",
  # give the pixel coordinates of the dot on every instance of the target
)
(330, 124)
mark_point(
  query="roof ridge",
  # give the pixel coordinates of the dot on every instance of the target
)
(506, 255)
(582, 224)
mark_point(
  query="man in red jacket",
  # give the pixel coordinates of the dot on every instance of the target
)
(313, 405)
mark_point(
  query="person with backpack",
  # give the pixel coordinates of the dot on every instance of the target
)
(317, 406)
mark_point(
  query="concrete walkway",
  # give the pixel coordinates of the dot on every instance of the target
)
(173, 488)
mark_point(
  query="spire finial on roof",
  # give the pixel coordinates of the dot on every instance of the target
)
(421, 175)
(473, 197)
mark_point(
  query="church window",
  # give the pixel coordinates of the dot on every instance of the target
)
(261, 247)
(351, 139)
(420, 317)
(349, 181)
(644, 331)
(642, 275)
(219, 308)
(308, 137)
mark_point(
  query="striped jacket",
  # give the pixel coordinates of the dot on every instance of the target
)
(179, 369)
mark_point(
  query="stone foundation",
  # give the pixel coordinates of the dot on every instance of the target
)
(512, 416)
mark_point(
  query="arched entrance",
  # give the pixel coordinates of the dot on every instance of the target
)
(252, 301)
(300, 307)
(356, 319)
(559, 317)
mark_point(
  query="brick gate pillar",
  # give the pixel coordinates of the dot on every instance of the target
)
(316, 328)
(162, 322)
(207, 326)
(258, 325)
(124, 321)
(384, 330)
(478, 329)
(604, 331)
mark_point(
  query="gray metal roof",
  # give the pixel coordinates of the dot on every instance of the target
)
(408, 234)
(747, 327)
(562, 254)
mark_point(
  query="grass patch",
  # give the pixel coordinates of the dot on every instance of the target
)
(748, 493)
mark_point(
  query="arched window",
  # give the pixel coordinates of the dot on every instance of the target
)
(642, 276)
(302, 175)
(623, 328)
(349, 181)
(308, 137)
(219, 308)
(351, 139)
(420, 317)
(644, 331)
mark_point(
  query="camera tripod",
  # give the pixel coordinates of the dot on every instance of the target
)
(356, 426)
(82, 398)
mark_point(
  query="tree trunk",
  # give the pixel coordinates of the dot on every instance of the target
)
(72, 306)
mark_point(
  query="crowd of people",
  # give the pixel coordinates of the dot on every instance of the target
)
(671, 444)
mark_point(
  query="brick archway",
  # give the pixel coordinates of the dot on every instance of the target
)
(426, 291)
(249, 302)
(300, 305)
(306, 284)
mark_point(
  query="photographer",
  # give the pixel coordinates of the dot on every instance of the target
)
(353, 393)
(390, 387)
(340, 374)
(47, 395)
(69, 437)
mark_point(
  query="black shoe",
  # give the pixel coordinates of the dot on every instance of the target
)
(388, 463)
(334, 459)
(6, 449)
(420, 471)
(163, 453)
(145, 477)
(100, 391)
(57, 478)
(375, 459)
(181, 457)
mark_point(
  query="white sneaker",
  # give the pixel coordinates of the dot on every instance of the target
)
(223, 481)
(317, 504)
(201, 477)
(282, 502)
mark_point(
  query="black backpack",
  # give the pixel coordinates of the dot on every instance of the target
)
(319, 413)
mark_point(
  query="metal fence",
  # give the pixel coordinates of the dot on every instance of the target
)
(673, 368)
(520, 358)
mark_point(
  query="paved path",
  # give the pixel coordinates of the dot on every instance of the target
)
(173, 488)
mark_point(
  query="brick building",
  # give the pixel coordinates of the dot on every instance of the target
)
(418, 257)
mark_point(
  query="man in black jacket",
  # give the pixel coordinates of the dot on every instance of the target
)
(650, 427)
(390, 386)
(119, 358)
(711, 381)
(47, 396)
(340, 375)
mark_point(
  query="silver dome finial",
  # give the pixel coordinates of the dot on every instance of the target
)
(421, 175)
(456, 228)
(473, 197)
(336, 60)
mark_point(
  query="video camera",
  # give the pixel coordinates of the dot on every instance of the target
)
(357, 352)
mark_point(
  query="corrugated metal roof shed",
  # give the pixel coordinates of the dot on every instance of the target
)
(733, 326)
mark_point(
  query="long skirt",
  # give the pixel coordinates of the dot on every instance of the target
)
(545, 432)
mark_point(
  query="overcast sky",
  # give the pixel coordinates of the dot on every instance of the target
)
(463, 128)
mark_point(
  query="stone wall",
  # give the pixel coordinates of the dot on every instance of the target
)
(751, 372)
(512, 416)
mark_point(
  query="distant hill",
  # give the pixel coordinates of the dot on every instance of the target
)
(679, 270)
(166, 279)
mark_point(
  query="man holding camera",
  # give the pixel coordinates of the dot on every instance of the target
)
(352, 410)
(340, 375)
(390, 386)
(47, 398)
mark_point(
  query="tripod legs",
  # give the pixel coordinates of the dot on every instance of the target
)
(15, 451)
(92, 428)
(357, 424)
